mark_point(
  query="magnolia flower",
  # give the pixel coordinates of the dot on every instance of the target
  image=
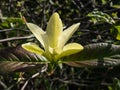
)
(53, 40)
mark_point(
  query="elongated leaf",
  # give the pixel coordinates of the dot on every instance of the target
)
(9, 66)
(106, 62)
(94, 55)
(18, 59)
(16, 54)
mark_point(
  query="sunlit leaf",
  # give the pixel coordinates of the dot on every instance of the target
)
(115, 31)
(100, 17)
(116, 6)
(8, 21)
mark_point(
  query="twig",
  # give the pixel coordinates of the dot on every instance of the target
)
(33, 76)
(6, 30)
(1, 83)
(112, 10)
(43, 69)
(16, 38)
(69, 82)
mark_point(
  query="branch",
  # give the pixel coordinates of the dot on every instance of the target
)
(16, 38)
(6, 30)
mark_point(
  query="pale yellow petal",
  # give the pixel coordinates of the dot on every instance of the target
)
(71, 48)
(66, 34)
(54, 51)
(32, 47)
(54, 29)
(37, 31)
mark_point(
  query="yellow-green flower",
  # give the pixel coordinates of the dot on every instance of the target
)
(53, 40)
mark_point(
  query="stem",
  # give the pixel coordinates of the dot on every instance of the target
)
(51, 68)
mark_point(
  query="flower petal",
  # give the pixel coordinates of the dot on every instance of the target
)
(32, 47)
(66, 34)
(71, 48)
(54, 29)
(37, 31)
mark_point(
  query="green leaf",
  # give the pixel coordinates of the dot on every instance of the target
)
(116, 6)
(116, 84)
(7, 23)
(100, 17)
(115, 30)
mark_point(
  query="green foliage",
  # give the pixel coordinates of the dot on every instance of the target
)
(116, 84)
(11, 23)
(100, 17)
(115, 30)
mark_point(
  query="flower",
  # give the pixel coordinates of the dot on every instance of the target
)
(53, 40)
